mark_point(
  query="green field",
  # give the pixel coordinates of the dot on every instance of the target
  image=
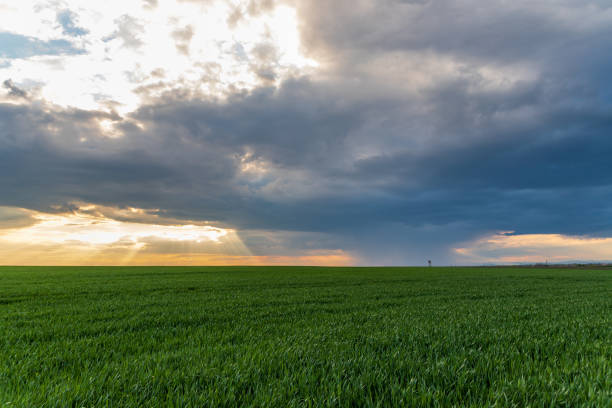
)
(280, 336)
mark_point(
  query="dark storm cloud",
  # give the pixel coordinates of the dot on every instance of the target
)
(60, 156)
(515, 135)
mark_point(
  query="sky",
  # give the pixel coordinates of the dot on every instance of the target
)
(305, 132)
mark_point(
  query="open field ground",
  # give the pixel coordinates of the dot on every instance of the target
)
(235, 336)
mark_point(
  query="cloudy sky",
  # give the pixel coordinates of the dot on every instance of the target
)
(345, 132)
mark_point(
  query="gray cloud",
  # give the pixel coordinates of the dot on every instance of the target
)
(264, 64)
(150, 4)
(13, 90)
(182, 38)
(128, 30)
(15, 218)
(491, 31)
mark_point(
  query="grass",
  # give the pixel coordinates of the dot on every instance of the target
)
(187, 337)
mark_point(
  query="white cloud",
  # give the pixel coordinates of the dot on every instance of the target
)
(124, 43)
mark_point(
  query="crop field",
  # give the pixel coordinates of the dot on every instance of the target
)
(300, 336)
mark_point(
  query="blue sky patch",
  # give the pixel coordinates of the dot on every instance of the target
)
(66, 19)
(21, 46)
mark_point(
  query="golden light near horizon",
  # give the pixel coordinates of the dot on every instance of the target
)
(507, 247)
(86, 236)
(90, 235)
